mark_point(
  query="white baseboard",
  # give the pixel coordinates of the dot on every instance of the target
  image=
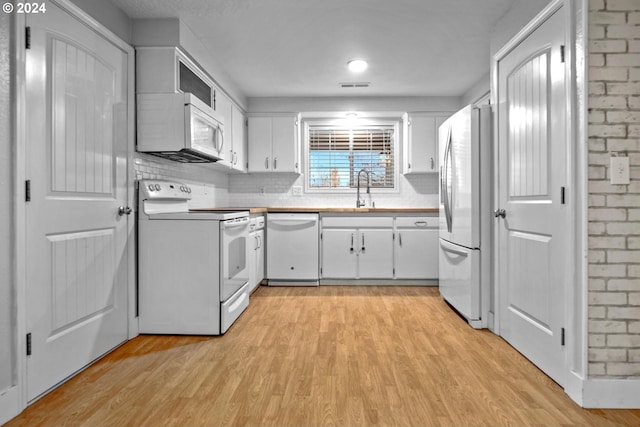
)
(574, 387)
(379, 282)
(605, 393)
(9, 404)
(491, 322)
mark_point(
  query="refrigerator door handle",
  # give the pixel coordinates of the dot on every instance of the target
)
(448, 247)
(446, 183)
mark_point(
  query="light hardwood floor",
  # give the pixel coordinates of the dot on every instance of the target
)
(337, 356)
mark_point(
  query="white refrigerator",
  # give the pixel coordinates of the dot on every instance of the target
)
(465, 213)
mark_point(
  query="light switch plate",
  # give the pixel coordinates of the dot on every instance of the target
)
(619, 170)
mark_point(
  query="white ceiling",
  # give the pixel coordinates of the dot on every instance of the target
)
(301, 47)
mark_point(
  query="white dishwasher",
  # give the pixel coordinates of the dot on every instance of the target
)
(292, 249)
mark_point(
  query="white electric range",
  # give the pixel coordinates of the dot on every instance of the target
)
(193, 270)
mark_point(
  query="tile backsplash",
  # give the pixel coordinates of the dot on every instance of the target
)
(272, 189)
(209, 185)
(213, 187)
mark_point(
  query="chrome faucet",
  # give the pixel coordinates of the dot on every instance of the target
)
(361, 203)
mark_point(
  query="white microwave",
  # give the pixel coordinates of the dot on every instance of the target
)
(180, 127)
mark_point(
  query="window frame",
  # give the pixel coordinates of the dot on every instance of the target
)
(351, 124)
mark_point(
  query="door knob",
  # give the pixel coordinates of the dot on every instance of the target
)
(124, 210)
(500, 213)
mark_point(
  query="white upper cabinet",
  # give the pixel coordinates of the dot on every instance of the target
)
(238, 148)
(273, 143)
(421, 142)
(223, 106)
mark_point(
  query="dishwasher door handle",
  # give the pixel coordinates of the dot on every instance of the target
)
(290, 222)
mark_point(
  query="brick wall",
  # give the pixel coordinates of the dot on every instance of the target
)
(614, 210)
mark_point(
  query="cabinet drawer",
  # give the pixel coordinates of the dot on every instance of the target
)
(357, 222)
(417, 222)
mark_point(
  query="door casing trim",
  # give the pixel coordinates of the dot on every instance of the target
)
(575, 301)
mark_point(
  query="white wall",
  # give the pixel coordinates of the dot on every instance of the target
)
(365, 103)
(478, 91)
(108, 15)
(514, 20)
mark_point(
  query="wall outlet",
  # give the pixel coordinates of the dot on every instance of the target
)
(619, 170)
(296, 190)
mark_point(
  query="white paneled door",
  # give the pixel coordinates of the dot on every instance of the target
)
(76, 240)
(532, 165)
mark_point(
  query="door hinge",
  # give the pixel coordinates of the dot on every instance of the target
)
(27, 190)
(29, 344)
(27, 37)
(562, 336)
(562, 53)
(562, 195)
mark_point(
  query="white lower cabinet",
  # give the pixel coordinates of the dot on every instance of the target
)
(255, 251)
(357, 247)
(260, 275)
(376, 254)
(339, 256)
(379, 247)
(416, 248)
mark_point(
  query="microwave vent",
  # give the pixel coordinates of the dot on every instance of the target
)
(184, 156)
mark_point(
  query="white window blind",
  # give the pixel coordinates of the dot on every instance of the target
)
(336, 155)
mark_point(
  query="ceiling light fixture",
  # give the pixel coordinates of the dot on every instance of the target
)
(357, 65)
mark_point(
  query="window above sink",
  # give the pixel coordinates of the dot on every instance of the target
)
(336, 150)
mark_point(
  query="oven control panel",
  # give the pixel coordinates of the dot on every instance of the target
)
(164, 190)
